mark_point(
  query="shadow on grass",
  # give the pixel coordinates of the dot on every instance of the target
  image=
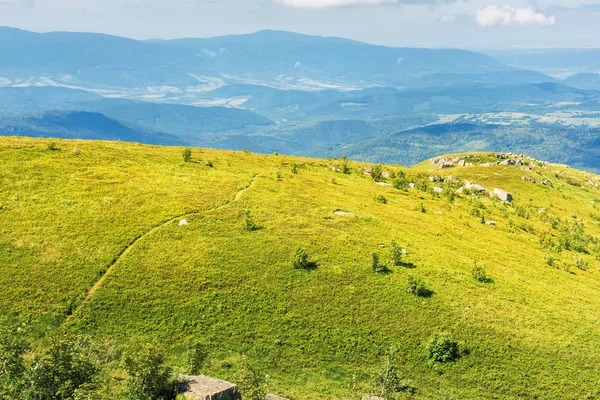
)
(407, 265)
(426, 293)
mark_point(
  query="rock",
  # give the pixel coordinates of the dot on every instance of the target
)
(274, 397)
(384, 184)
(528, 179)
(474, 186)
(461, 163)
(367, 397)
(435, 178)
(447, 165)
(519, 162)
(206, 388)
(343, 213)
(503, 195)
(183, 222)
(526, 169)
(412, 185)
(438, 189)
(507, 162)
(385, 174)
(382, 246)
(368, 171)
(542, 211)
(490, 223)
(403, 251)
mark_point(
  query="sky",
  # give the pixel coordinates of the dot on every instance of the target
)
(475, 24)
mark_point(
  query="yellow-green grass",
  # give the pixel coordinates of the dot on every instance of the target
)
(532, 333)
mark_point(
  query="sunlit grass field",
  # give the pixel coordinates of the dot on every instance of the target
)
(108, 210)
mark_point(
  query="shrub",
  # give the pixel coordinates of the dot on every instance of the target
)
(249, 224)
(197, 356)
(375, 265)
(417, 287)
(388, 383)
(12, 364)
(442, 348)
(65, 367)
(549, 259)
(294, 169)
(421, 208)
(396, 256)
(377, 173)
(148, 376)
(478, 273)
(300, 259)
(187, 154)
(51, 146)
(381, 199)
(252, 381)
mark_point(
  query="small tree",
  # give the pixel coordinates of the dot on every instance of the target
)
(148, 376)
(388, 383)
(187, 154)
(294, 169)
(197, 356)
(377, 173)
(442, 348)
(52, 146)
(64, 368)
(375, 262)
(300, 259)
(252, 381)
(396, 255)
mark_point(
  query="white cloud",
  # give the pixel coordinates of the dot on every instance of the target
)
(507, 15)
(346, 3)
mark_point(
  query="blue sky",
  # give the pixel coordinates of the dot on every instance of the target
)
(430, 23)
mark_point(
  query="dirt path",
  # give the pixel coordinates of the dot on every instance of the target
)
(128, 250)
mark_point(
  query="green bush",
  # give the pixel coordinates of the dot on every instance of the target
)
(377, 173)
(442, 348)
(478, 273)
(396, 254)
(63, 369)
(294, 169)
(417, 287)
(252, 381)
(381, 199)
(376, 266)
(13, 369)
(51, 146)
(300, 259)
(187, 154)
(249, 224)
(149, 378)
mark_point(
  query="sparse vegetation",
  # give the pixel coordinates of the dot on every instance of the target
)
(237, 292)
(381, 199)
(252, 381)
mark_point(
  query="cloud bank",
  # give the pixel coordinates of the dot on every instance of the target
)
(507, 15)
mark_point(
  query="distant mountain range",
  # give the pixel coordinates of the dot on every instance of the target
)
(305, 95)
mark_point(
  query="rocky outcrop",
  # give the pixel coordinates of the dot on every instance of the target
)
(205, 388)
(503, 195)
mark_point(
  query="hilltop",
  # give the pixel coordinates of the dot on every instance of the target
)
(92, 241)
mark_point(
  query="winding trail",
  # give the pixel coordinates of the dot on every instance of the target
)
(129, 248)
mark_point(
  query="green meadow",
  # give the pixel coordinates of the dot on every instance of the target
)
(91, 243)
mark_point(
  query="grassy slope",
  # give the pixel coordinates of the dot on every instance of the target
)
(532, 333)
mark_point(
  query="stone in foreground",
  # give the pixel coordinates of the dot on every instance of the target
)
(274, 397)
(206, 388)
